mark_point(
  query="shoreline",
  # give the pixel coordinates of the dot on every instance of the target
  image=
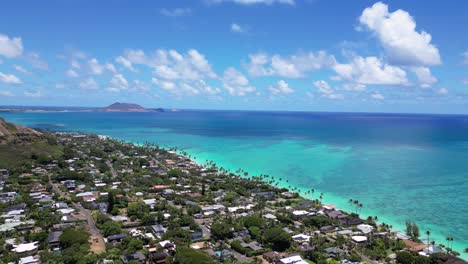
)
(340, 203)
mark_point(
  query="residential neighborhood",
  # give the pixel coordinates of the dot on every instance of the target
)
(99, 200)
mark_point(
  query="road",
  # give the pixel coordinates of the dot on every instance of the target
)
(109, 164)
(96, 240)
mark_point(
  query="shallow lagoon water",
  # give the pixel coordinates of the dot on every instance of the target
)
(401, 167)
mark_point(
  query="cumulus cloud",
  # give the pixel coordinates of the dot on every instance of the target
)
(236, 28)
(356, 87)
(377, 96)
(370, 70)
(126, 63)
(10, 47)
(236, 83)
(325, 90)
(443, 91)
(397, 33)
(465, 57)
(35, 60)
(21, 69)
(95, 67)
(72, 73)
(33, 94)
(9, 78)
(170, 64)
(424, 76)
(252, 2)
(89, 84)
(281, 88)
(119, 82)
(294, 66)
(176, 12)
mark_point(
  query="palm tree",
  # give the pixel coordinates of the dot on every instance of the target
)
(428, 233)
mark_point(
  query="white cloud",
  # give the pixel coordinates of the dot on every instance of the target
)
(10, 47)
(36, 94)
(465, 57)
(176, 12)
(424, 76)
(370, 70)
(443, 91)
(110, 67)
(397, 33)
(75, 64)
(356, 87)
(35, 60)
(6, 93)
(282, 88)
(377, 96)
(294, 66)
(126, 63)
(21, 69)
(326, 91)
(118, 81)
(95, 67)
(237, 28)
(166, 85)
(169, 64)
(9, 78)
(72, 73)
(236, 83)
(252, 2)
(89, 84)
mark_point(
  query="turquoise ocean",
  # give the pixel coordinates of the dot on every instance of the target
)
(399, 166)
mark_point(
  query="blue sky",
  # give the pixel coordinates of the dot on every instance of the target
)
(312, 55)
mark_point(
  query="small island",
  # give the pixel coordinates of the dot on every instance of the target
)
(127, 107)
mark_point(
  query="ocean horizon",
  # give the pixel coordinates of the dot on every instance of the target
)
(399, 166)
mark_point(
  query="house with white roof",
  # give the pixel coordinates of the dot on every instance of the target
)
(366, 229)
(293, 260)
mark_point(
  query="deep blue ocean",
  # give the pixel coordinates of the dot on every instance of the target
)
(399, 166)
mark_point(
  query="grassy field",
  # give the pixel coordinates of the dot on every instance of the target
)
(14, 155)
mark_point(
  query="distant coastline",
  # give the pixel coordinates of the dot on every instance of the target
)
(115, 107)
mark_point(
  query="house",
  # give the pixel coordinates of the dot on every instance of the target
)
(196, 235)
(301, 238)
(300, 214)
(168, 246)
(29, 260)
(116, 238)
(366, 229)
(270, 216)
(254, 245)
(158, 230)
(327, 229)
(359, 239)
(158, 257)
(432, 250)
(333, 252)
(271, 256)
(54, 240)
(150, 202)
(26, 249)
(296, 259)
(4, 174)
(138, 257)
(335, 214)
